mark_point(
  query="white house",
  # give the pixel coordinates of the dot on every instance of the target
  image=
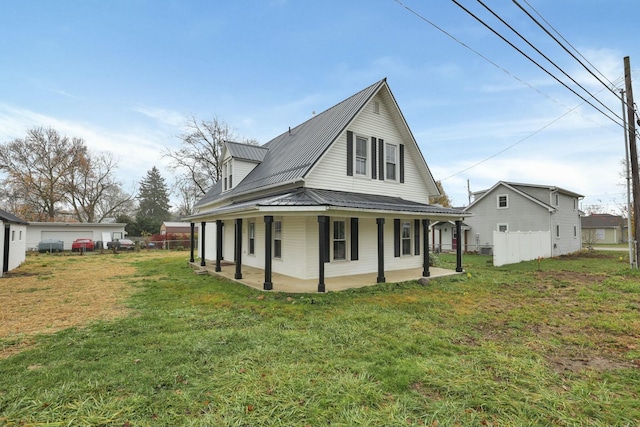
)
(13, 235)
(511, 207)
(343, 193)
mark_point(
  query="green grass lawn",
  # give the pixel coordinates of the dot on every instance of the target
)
(548, 343)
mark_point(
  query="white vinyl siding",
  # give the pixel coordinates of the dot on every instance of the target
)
(328, 175)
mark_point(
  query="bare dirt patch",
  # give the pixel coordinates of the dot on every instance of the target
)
(53, 292)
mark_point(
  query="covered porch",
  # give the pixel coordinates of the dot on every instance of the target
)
(254, 278)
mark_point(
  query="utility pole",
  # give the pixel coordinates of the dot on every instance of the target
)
(627, 174)
(633, 154)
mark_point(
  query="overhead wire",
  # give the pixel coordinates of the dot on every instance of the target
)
(517, 78)
(546, 57)
(561, 45)
(534, 61)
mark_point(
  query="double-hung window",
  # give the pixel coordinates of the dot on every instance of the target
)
(227, 175)
(277, 239)
(252, 238)
(503, 201)
(406, 238)
(361, 155)
(339, 240)
(391, 161)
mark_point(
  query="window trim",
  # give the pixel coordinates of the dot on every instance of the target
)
(344, 240)
(277, 222)
(251, 235)
(404, 239)
(395, 163)
(367, 156)
(506, 199)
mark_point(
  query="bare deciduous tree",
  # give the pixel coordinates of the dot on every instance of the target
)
(93, 192)
(35, 167)
(198, 161)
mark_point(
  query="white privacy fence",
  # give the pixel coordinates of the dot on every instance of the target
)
(513, 247)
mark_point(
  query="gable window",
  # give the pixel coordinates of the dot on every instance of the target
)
(277, 239)
(252, 238)
(339, 240)
(227, 175)
(503, 228)
(390, 161)
(503, 201)
(361, 155)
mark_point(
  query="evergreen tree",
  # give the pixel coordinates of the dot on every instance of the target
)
(153, 202)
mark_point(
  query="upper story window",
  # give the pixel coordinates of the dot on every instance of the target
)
(361, 155)
(556, 199)
(391, 161)
(227, 175)
(503, 201)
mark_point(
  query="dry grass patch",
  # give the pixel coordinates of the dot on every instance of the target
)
(53, 292)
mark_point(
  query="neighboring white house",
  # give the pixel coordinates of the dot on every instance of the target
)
(512, 207)
(69, 231)
(343, 193)
(13, 235)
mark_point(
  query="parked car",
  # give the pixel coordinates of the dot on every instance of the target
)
(50, 245)
(82, 245)
(124, 244)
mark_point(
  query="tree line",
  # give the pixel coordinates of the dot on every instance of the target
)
(48, 176)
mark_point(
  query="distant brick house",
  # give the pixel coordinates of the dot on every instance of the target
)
(168, 227)
(603, 228)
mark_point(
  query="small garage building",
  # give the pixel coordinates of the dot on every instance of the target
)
(13, 233)
(70, 231)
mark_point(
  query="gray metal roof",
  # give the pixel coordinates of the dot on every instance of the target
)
(292, 154)
(9, 217)
(253, 153)
(312, 197)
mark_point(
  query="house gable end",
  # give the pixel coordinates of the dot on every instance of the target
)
(356, 158)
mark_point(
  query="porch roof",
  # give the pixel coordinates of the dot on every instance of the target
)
(318, 199)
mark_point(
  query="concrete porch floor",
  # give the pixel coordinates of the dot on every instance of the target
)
(254, 278)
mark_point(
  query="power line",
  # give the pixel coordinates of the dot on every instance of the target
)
(562, 46)
(547, 58)
(530, 86)
(533, 61)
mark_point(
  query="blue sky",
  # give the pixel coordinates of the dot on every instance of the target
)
(125, 74)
